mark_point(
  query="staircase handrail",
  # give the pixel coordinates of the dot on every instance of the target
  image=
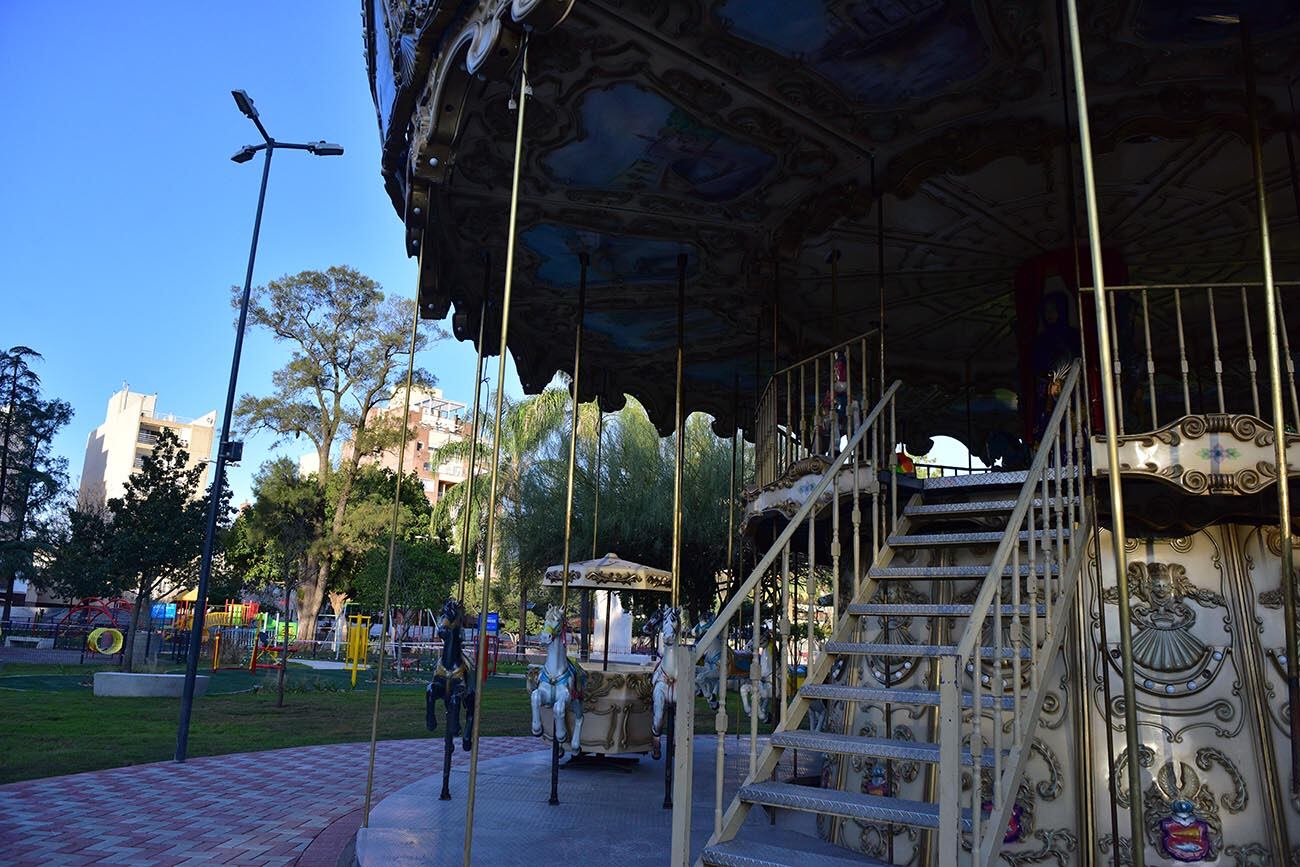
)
(1010, 539)
(738, 597)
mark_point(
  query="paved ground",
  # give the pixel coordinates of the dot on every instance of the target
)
(604, 816)
(249, 808)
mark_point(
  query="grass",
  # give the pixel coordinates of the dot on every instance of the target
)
(54, 725)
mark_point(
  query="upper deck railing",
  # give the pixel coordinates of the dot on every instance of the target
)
(806, 407)
(1195, 348)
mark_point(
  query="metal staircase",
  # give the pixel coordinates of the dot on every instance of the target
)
(997, 639)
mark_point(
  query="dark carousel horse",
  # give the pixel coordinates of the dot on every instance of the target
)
(454, 683)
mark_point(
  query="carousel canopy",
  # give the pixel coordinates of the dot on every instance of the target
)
(929, 142)
(610, 573)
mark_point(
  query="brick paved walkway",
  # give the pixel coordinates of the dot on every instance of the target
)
(248, 808)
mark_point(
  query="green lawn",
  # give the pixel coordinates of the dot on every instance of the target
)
(54, 725)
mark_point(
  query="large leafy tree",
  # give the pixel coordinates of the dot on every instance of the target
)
(32, 479)
(349, 350)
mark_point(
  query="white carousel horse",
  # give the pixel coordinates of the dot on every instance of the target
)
(708, 676)
(664, 682)
(762, 702)
(560, 683)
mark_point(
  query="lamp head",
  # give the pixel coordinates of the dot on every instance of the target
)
(244, 154)
(325, 148)
(245, 104)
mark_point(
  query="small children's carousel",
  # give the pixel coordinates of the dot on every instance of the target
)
(609, 695)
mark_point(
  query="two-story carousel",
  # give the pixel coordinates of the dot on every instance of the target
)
(1063, 233)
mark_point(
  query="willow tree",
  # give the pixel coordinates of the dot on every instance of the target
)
(349, 350)
(635, 485)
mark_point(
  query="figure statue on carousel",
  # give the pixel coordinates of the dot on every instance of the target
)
(454, 684)
(560, 684)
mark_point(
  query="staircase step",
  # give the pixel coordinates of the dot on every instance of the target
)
(940, 573)
(961, 509)
(783, 849)
(978, 507)
(852, 805)
(891, 609)
(887, 695)
(870, 649)
(934, 540)
(995, 479)
(879, 748)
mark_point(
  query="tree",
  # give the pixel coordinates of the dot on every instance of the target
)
(32, 479)
(529, 428)
(285, 519)
(81, 564)
(349, 350)
(424, 574)
(157, 528)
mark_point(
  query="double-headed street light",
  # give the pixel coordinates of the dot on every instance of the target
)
(227, 450)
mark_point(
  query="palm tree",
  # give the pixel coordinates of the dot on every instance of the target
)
(532, 429)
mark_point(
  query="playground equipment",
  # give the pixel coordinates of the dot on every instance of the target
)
(358, 643)
(94, 611)
(115, 641)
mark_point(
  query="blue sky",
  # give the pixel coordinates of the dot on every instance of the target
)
(124, 223)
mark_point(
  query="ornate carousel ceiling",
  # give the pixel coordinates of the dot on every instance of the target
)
(746, 135)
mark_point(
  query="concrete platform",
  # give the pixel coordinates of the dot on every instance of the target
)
(123, 684)
(605, 816)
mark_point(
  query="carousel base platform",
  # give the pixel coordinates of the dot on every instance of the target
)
(604, 817)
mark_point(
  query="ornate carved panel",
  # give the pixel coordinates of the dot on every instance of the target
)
(1204, 454)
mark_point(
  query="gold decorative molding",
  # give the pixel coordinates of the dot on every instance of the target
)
(1212, 454)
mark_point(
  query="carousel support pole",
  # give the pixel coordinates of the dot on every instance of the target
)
(678, 467)
(1275, 399)
(595, 517)
(385, 615)
(679, 420)
(731, 491)
(473, 431)
(481, 656)
(1110, 415)
(583, 261)
(879, 196)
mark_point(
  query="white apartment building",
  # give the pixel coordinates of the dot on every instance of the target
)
(130, 430)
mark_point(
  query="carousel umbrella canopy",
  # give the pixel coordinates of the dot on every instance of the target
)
(931, 146)
(610, 573)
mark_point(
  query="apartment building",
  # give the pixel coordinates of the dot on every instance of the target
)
(434, 421)
(130, 430)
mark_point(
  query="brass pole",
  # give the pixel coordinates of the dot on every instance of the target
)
(473, 437)
(481, 656)
(680, 450)
(392, 553)
(583, 261)
(595, 505)
(731, 491)
(1275, 399)
(835, 296)
(1110, 415)
(879, 195)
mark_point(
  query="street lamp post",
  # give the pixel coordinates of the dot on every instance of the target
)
(227, 450)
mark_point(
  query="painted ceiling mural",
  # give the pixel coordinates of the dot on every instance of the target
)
(747, 134)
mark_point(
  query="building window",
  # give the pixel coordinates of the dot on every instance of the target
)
(147, 437)
(138, 463)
